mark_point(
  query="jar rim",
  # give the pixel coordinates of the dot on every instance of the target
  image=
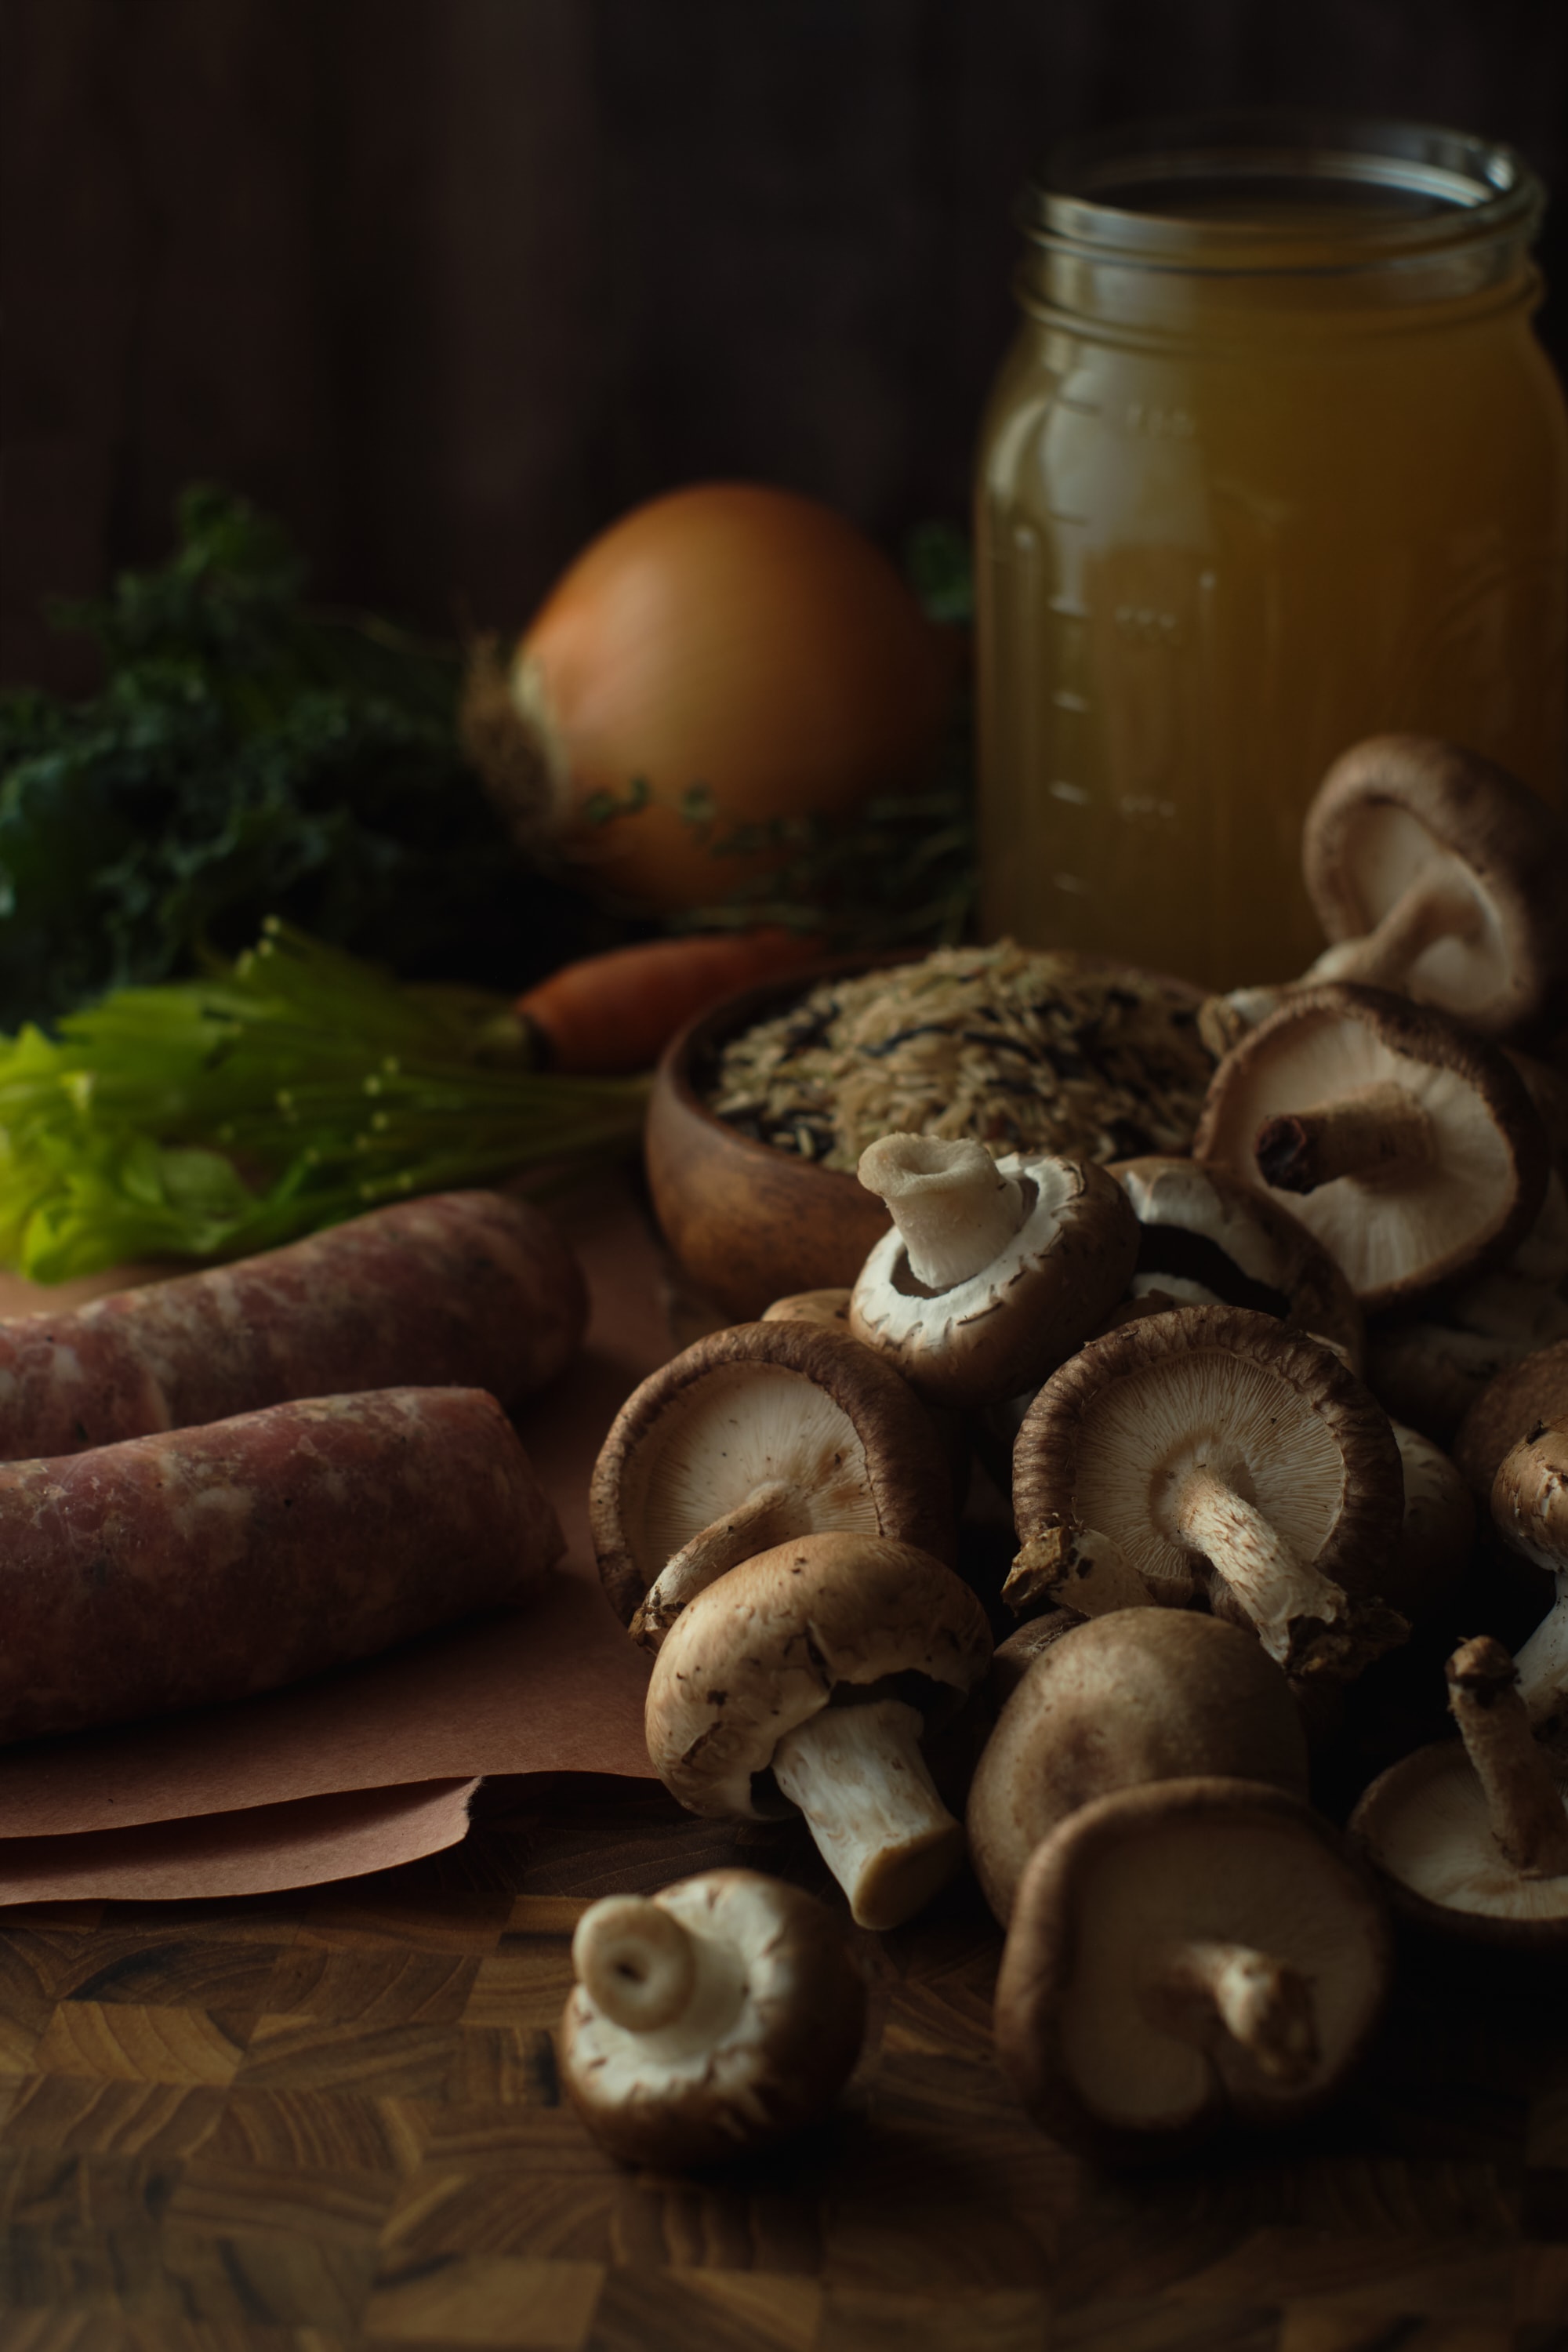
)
(1370, 189)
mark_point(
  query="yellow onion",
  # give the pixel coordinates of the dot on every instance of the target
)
(728, 640)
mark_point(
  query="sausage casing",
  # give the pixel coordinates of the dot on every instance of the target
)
(462, 1289)
(206, 1564)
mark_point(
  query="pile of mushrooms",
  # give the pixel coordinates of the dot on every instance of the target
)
(1183, 1375)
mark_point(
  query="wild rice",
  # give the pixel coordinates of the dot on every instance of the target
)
(1025, 1050)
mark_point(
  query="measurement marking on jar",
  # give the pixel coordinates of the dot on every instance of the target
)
(1070, 607)
(1066, 701)
(1147, 625)
(1074, 793)
(1161, 424)
(1079, 407)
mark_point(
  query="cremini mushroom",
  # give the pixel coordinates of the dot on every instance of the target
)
(1473, 1837)
(993, 1270)
(1525, 1394)
(1013, 1658)
(1214, 1451)
(1408, 1147)
(1144, 1694)
(719, 2015)
(1206, 1239)
(806, 1678)
(1430, 1369)
(830, 1306)
(750, 1436)
(1185, 1953)
(1436, 874)
(1530, 1510)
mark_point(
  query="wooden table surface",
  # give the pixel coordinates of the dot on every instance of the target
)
(306, 2123)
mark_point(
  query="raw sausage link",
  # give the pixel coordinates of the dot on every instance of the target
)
(460, 1289)
(203, 1564)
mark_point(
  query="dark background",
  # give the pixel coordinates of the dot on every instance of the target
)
(448, 283)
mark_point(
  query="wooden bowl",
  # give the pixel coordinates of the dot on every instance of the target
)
(747, 1223)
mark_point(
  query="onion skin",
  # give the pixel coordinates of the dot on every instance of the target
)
(731, 636)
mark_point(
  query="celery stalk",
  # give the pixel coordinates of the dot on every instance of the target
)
(207, 1118)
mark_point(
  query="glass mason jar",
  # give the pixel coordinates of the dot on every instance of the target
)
(1276, 462)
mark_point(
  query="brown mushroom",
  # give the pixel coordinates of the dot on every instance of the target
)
(1144, 1694)
(1182, 1954)
(1206, 1239)
(1436, 872)
(750, 1436)
(1409, 1147)
(806, 1678)
(1472, 1834)
(1530, 1510)
(994, 1269)
(1013, 1658)
(1214, 1451)
(830, 1306)
(1532, 1390)
(719, 2015)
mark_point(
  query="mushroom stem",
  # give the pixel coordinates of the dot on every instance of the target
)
(649, 1974)
(770, 1514)
(1372, 1131)
(955, 1212)
(1430, 909)
(1262, 2004)
(858, 1776)
(1523, 1799)
(1273, 1587)
(1543, 1664)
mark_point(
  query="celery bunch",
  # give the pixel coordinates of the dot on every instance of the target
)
(212, 1117)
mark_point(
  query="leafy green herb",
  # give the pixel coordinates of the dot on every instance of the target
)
(246, 755)
(215, 1117)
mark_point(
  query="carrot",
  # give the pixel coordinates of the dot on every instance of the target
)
(615, 1012)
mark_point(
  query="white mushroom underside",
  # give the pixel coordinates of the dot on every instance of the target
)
(1181, 1195)
(1434, 1834)
(893, 1304)
(1282, 1894)
(1250, 1427)
(733, 1429)
(1380, 1229)
(639, 2068)
(1390, 852)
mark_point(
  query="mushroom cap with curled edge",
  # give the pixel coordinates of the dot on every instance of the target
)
(1213, 1450)
(1183, 1953)
(719, 2015)
(806, 1678)
(1206, 1239)
(748, 1437)
(1471, 1834)
(1510, 1405)
(1436, 873)
(993, 1270)
(1144, 1694)
(1408, 1147)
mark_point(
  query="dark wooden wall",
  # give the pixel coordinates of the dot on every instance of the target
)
(450, 282)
